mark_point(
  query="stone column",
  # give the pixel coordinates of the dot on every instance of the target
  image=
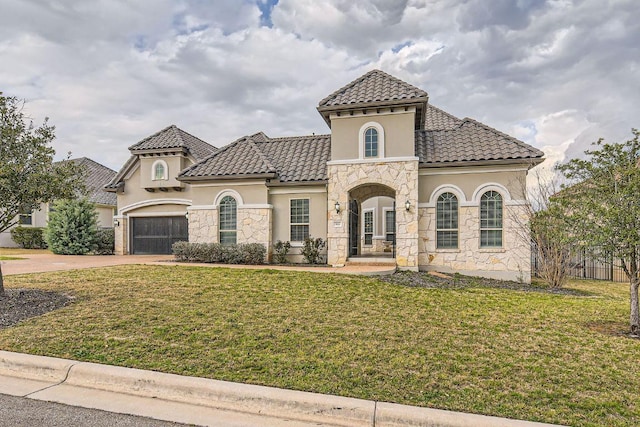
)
(401, 177)
(120, 235)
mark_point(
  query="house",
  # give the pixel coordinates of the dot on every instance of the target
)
(395, 177)
(95, 177)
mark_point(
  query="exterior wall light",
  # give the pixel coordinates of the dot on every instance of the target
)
(337, 206)
(116, 223)
(407, 205)
(186, 214)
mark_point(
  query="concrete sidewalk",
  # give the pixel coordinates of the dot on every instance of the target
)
(42, 263)
(209, 402)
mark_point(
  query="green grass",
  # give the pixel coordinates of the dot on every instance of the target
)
(537, 356)
(9, 258)
(21, 251)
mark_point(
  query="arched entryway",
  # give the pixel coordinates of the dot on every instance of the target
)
(372, 222)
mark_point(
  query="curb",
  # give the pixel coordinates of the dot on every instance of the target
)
(243, 398)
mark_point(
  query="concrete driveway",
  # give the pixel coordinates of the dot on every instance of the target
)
(40, 263)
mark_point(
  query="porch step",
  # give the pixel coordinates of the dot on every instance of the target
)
(371, 261)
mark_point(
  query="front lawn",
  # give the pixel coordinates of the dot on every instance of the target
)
(531, 355)
(21, 251)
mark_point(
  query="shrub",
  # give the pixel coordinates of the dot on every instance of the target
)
(105, 241)
(281, 249)
(29, 237)
(254, 253)
(72, 227)
(249, 253)
(311, 250)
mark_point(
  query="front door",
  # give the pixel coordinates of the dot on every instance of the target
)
(354, 230)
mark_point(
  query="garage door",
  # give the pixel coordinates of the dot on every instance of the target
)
(156, 235)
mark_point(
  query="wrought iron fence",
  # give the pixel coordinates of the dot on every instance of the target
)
(584, 265)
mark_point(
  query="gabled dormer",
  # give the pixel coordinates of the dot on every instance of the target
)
(374, 118)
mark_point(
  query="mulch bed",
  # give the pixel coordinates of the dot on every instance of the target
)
(20, 304)
(458, 281)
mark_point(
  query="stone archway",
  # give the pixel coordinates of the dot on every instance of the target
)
(397, 178)
(361, 241)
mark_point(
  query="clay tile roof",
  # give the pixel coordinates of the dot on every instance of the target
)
(470, 140)
(437, 119)
(95, 177)
(374, 87)
(241, 157)
(299, 158)
(291, 159)
(169, 138)
(173, 137)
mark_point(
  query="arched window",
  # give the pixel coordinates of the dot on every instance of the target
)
(159, 171)
(371, 142)
(447, 221)
(228, 214)
(491, 220)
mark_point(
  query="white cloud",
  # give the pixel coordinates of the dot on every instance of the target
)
(556, 74)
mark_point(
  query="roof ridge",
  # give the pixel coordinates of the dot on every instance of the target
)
(152, 136)
(347, 86)
(182, 131)
(97, 163)
(376, 87)
(212, 155)
(262, 156)
(444, 112)
(323, 135)
(504, 135)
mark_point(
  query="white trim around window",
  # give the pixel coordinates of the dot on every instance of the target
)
(491, 186)
(361, 140)
(228, 192)
(300, 224)
(384, 222)
(165, 171)
(364, 226)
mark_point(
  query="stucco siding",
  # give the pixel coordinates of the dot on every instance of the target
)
(281, 216)
(398, 134)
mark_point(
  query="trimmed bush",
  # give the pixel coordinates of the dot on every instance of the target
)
(248, 253)
(72, 227)
(311, 250)
(280, 251)
(106, 241)
(29, 237)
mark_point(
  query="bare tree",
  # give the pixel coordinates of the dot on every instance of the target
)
(541, 226)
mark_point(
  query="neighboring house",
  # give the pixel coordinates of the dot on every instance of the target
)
(95, 177)
(396, 177)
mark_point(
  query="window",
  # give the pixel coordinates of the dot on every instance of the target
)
(390, 226)
(159, 171)
(228, 214)
(26, 218)
(371, 142)
(491, 220)
(368, 227)
(447, 221)
(299, 219)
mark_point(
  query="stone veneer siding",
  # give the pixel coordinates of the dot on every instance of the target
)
(511, 262)
(399, 176)
(253, 225)
(120, 236)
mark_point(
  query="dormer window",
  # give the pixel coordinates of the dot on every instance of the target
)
(160, 171)
(371, 142)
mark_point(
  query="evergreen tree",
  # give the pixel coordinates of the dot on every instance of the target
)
(72, 227)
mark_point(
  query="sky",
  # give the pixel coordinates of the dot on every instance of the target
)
(556, 74)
